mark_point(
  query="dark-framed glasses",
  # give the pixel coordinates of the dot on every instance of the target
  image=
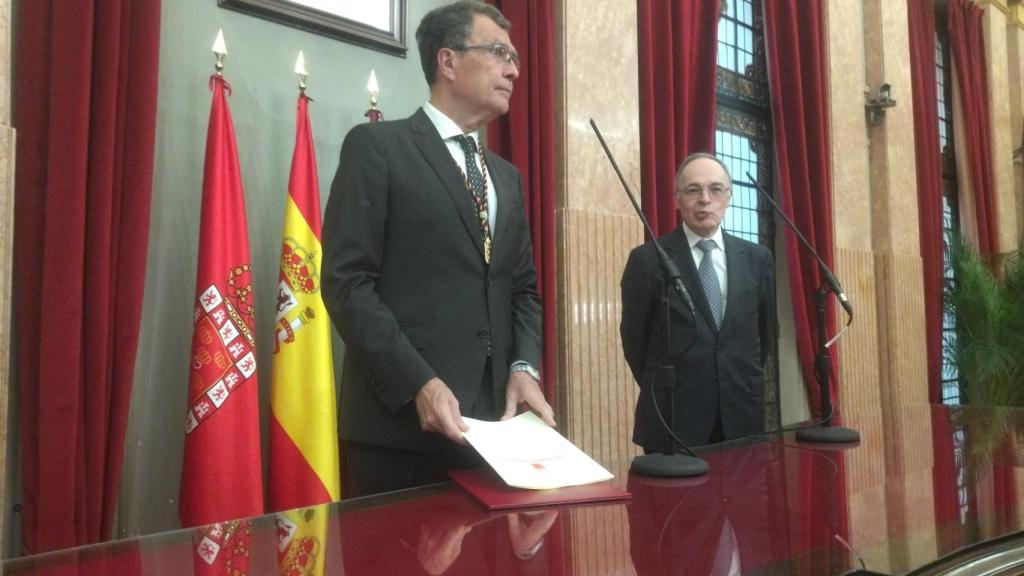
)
(498, 50)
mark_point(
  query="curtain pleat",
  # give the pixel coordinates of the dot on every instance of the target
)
(85, 95)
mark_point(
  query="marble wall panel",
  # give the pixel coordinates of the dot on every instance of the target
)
(911, 510)
(869, 529)
(893, 178)
(901, 329)
(859, 393)
(1004, 131)
(600, 541)
(851, 200)
(597, 394)
(858, 348)
(598, 78)
(596, 75)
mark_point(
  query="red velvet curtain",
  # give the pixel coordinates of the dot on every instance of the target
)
(928, 160)
(945, 492)
(526, 137)
(85, 95)
(968, 47)
(677, 53)
(797, 64)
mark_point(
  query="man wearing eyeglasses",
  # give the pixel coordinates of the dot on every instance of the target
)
(428, 267)
(718, 351)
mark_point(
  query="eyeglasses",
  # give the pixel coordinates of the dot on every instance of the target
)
(695, 191)
(498, 50)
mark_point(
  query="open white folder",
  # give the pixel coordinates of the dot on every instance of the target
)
(527, 453)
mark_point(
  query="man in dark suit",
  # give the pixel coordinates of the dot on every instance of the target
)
(428, 267)
(719, 352)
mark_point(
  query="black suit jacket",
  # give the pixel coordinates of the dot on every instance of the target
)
(406, 285)
(718, 370)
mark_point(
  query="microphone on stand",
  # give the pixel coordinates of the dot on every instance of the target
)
(667, 463)
(822, 362)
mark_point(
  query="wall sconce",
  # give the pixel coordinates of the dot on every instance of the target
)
(877, 101)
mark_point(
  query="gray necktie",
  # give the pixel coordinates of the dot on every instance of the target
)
(709, 279)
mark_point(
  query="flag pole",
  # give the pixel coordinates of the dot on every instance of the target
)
(300, 70)
(373, 88)
(220, 52)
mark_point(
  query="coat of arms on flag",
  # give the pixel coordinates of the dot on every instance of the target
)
(300, 274)
(222, 349)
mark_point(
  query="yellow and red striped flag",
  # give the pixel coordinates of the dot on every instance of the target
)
(303, 463)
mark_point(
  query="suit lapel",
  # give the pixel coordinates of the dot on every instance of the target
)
(735, 269)
(678, 248)
(429, 143)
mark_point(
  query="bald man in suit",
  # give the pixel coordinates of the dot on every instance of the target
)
(719, 352)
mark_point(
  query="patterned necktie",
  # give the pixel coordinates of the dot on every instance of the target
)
(709, 279)
(477, 185)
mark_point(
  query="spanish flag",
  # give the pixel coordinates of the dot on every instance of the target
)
(304, 468)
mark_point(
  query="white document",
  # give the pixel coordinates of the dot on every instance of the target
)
(527, 453)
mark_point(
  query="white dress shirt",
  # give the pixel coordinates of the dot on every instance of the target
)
(448, 130)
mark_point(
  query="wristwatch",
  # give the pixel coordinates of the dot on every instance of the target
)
(524, 366)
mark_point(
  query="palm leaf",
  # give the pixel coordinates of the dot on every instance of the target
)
(989, 313)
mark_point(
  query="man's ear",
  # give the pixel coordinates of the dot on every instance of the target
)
(446, 63)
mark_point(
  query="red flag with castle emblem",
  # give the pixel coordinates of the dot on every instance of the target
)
(221, 478)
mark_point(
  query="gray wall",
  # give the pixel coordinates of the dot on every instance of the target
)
(261, 56)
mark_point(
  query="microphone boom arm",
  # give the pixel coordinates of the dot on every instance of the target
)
(826, 273)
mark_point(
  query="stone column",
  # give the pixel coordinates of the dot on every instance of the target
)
(852, 222)
(999, 24)
(596, 77)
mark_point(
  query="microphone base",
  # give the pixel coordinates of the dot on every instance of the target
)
(828, 435)
(668, 466)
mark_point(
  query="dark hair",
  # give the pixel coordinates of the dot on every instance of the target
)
(697, 156)
(450, 27)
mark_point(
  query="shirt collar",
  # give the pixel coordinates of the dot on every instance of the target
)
(445, 126)
(692, 237)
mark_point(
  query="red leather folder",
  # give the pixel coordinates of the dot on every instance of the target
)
(491, 491)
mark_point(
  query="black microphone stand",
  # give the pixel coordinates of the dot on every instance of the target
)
(668, 463)
(826, 433)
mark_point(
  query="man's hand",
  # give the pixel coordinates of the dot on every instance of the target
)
(438, 410)
(439, 546)
(523, 389)
(526, 531)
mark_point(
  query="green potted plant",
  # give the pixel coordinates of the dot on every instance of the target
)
(986, 299)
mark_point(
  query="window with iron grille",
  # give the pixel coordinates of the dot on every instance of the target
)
(743, 141)
(951, 383)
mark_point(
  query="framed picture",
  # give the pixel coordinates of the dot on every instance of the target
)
(376, 24)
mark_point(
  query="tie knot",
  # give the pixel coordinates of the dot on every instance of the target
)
(706, 245)
(468, 144)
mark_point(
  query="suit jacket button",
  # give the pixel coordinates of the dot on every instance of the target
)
(482, 334)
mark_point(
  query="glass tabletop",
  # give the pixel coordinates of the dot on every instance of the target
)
(938, 483)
